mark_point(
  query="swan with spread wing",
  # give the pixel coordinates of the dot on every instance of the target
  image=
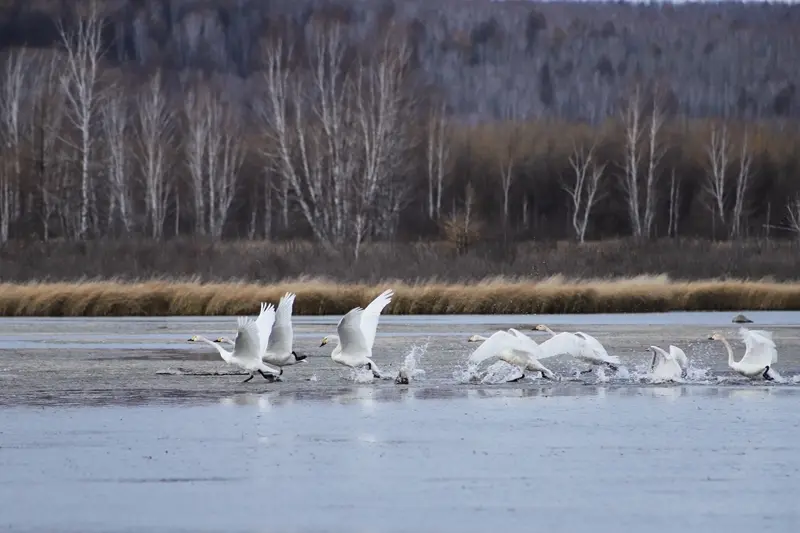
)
(759, 356)
(580, 346)
(509, 346)
(279, 351)
(668, 366)
(356, 335)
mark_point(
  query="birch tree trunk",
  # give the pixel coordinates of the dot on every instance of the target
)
(13, 91)
(155, 134)
(80, 79)
(116, 132)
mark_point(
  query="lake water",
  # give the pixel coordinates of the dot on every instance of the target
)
(112, 425)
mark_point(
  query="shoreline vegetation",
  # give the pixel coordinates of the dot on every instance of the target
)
(554, 295)
(197, 278)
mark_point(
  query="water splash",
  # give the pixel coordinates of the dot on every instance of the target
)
(411, 363)
(361, 375)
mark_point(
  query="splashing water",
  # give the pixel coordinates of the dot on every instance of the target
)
(361, 375)
(411, 362)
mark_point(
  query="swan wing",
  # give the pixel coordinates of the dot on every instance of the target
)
(564, 343)
(280, 340)
(264, 323)
(664, 365)
(525, 339)
(371, 314)
(760, 349)
(247, 346)
(500, 341)
(597, 348)
(351, 335)
(679, 355)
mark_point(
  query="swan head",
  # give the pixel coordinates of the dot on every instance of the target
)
(540, 327)
(193, 338)
(715, 337)
(474, 338)
(219, 339)
(299, 358)
(324, 342)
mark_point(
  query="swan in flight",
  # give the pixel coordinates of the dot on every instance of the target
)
(668, 365)
(579, 345)
(759, 355)
(279, 350)
(247, 348)
(356, 335)
(513, 350)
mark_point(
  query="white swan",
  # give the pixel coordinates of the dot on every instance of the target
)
(579, 345)
(279, 350)
(514, 351)
(356, 335)
(247, 348)
(759, 355)
(667, 366)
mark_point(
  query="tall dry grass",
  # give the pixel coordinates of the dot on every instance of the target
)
(320, 297)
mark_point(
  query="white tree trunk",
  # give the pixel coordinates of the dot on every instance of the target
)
(155, 133)
(742, 183)
(83, 48)
(718, 154)
(115, 130)
(583, 189)
(13, 90)
(633, 134)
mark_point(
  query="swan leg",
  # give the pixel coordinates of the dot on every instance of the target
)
(374, 368)
(612, 366)
(248, 379)
(767, 376)
(517, 379)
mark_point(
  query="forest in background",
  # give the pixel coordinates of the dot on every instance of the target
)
(350, 124)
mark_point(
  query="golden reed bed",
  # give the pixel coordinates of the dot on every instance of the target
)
(318, 297)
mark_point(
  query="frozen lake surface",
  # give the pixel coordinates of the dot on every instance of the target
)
(119, 425)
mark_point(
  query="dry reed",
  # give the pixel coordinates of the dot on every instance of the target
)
(321, 297)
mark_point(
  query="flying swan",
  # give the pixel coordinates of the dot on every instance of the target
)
(356, 335)
(579, 345)
(512, 349)
(279, 350)
(668, 366)
(247, 348)
(759, 355)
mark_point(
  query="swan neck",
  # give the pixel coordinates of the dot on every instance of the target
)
(550, 331)
(225, 354)
(730, 351)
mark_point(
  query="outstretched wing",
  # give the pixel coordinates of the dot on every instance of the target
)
(679, 355)
(496, 344)
(593, 343)
(280, 340)
(659, 357)
(760, 349)
(351, 336)
(564, 343)
(264, 324)
(525, 339)
(370, 316)
(247, 345)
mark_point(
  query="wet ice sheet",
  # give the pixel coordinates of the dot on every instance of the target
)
(399, 459)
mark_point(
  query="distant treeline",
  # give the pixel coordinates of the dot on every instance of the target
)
(356, 121)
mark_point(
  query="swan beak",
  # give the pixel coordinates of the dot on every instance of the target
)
(192, 339)
(711, 337)
(218, 339)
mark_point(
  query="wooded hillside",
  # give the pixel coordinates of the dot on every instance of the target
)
(354, 121)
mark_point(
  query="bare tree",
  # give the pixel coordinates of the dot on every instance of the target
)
(382, 108)
(83, 46)
(655, 152)
(154, 135)
(195, 144)
(224, 158)
(640, 190)
(583, 188)
(438, 155)
(632, 122)
(508, 154)
(742, 183)
(116, 132)
(12, 114)
(338, 135)
(718, 154)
